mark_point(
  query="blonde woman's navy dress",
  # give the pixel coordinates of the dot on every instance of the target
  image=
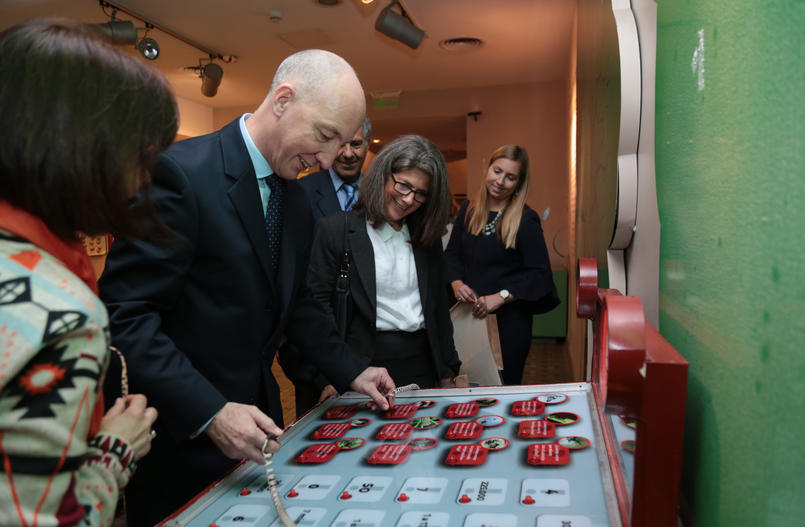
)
(483, 263)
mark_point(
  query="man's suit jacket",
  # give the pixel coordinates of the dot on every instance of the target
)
(199, 318)
(325, 259)
(321, 194)
(306, 378)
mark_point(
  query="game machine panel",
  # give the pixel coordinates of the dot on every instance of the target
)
(639, 382)
(558, 455)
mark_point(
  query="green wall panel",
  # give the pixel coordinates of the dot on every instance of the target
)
(730, 159)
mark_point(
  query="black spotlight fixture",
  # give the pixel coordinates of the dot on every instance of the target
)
(124, 32)
(118, 31)
(147, 45)
(399, 26)
(149, 48)
(210, 75)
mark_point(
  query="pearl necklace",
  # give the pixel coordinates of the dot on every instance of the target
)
(489, 228)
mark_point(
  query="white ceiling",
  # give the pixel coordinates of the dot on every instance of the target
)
(524, 41)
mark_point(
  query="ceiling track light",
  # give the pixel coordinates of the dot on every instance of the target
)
(399, 26)
(124, 32)
(148, 46)
(210, 75)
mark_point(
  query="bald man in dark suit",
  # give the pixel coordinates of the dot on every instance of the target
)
(199, 318)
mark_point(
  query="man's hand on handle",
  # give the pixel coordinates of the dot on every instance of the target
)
(239, 431)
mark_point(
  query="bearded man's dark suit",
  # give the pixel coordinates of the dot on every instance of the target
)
(306, 378)
(326, 254)
(321, 194)
(199, 318)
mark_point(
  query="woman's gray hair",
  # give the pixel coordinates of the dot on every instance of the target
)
(427, 223)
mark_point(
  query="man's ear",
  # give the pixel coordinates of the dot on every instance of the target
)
(281, 99)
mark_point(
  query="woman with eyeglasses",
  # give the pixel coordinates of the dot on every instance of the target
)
(82, 124)
(398, 314)
(497, 259)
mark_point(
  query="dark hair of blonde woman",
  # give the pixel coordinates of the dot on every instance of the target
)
(426, 224)
(478, 209)
(82, 125)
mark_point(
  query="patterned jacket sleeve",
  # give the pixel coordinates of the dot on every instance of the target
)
(53, 337)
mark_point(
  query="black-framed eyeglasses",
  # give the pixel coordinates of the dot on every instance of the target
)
(404, 189)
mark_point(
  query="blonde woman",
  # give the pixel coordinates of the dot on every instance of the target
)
(497, 259)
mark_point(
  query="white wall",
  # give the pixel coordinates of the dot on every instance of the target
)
(536, 117)
(194, 118)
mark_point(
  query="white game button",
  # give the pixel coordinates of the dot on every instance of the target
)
(424, 519)
(362, 517)
(243, 515)
(313, 487)
(478, 491)
(422, 490)
(303, 516)
(365, 489)
(490, 520)
(558, 520)
(545, 492)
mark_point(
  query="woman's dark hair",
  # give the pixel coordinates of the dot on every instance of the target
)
(82, 126)
(426, 224)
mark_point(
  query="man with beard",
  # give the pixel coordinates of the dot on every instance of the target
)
(329, 191)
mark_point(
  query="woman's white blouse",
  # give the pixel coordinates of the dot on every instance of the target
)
(399, 306)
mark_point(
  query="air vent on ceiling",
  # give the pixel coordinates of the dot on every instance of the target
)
(461, 43)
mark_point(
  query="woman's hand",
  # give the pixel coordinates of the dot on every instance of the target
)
(463, 292)
(486, 304)
(493, 302)
(459, 381)
(479, 308)
(327, 392)
(131, 420)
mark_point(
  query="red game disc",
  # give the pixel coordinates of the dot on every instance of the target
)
(536, 429)
(389, 455)
(422, 443)
(486, 401)
(472, 455)
(495, 443)
(425, 423)
(331, 430)
(562, 418)
(320, 453)
(462, 410)
(400, 411)
(395, 431)
(464, 430)
(574, 442)
(350, 443)
(548, 454)
(341, 412)
(527, 408)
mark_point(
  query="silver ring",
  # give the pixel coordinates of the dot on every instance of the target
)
(153, 434)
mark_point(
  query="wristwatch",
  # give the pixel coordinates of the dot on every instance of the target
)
(504, 294)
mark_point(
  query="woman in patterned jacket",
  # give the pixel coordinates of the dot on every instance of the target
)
(81, 125)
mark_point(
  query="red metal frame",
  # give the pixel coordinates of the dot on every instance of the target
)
(636, 373)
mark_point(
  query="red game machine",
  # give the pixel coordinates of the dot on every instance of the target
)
(637, 375)
(583, 454)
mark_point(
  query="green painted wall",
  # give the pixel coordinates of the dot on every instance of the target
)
(730, 159)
